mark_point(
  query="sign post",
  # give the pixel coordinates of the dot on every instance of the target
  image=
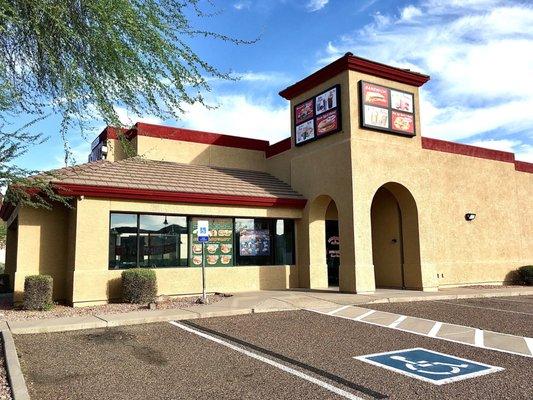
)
(203, 237)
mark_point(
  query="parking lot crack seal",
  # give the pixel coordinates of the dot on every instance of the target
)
(317, 371)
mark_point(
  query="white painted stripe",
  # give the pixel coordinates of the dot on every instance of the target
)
(529, 343)
(435, 329)
(338, 309)
(359, 318)
(268, 361)
(479, 340)
(398, 321)
(448, 339)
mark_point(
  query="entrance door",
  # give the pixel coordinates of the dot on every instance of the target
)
(333, 254)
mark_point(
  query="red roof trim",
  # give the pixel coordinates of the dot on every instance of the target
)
(353, 63)
(467, 150)
(177, 197)
(523, 166)
(278, 147)
(189, 135)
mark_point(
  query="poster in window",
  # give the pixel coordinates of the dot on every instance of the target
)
(326, 101)
(401, 101)
(402, 122)
(304, 111)
(305, 132)
(327, 122)
(254, 242)
(376, 117)
(375, 95)
(218, 251)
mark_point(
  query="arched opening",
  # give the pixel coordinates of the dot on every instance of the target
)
(324, 243)
(395, 238)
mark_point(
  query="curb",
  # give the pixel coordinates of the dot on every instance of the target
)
(14, 373)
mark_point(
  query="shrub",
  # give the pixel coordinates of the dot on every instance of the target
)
(38, 292)
(139, 285)
(526, 274)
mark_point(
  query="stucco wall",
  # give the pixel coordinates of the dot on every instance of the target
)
(42, 248)
(93, 282)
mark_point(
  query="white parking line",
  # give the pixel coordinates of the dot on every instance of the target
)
(270, 362)
(478, 338)
(338, 309)
(398, 321)
(359, 318)
(435, 329)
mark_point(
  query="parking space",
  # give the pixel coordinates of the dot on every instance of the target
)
(293, 355)
(512, 315)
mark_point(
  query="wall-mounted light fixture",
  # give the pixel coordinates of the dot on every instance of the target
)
(470, 216)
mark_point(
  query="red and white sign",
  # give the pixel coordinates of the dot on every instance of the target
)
(375, 95)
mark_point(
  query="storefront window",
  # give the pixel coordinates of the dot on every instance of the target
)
(163, 241)
(218, 252)
(253, 240)
(284, 240)
(149, 241)
(123, 241)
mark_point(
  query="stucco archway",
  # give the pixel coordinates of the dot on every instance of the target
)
(395, 238)
(322, 211)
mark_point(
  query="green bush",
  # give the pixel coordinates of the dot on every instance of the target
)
(38, 291)
(139, 285)
(526, 274)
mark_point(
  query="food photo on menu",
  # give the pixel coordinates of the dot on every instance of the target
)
(403, 122)
(326, 101)
(375, 116)
(375, 95)
(326, 123)
(305, 131)
(401, 101)
(304, 111)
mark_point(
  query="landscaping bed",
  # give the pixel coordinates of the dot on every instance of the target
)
(10, 313)
(5, 389)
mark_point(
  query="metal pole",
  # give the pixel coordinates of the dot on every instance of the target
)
(204, 296)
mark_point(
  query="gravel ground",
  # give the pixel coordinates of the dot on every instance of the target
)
(5, 389)
(154, 361)
(8, 313)
(513, 315)
(160, 361)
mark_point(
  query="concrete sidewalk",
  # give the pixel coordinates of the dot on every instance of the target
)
(255, 302)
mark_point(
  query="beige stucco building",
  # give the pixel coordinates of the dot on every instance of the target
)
(355, 198)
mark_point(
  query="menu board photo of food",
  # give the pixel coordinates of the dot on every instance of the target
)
(218, 252)
(403, 122)
(305, 132)
(327, 122)
(375, 116)
(326, 101)
(304, 111)
(375, 95)
(401, 101)
(386, 109)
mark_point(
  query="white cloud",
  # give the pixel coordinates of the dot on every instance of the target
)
(524, 152)
(241, 5)
(127, 118)
(497, 144)
(315, 5)
(479, 54)
(240, 116)
(409, 13)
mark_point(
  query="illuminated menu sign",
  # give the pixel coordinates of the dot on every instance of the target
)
(386, 109)
(317, 117)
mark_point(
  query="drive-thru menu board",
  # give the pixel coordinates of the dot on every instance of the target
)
(386, 109)
(318, 117)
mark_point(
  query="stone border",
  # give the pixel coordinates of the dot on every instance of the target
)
(19, 389)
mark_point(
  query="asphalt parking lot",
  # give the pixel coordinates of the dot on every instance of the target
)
(287, 355)
(512, 315)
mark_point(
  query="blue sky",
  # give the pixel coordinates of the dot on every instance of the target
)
(479, 54)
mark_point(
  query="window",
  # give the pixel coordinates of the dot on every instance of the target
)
(151, 241)
(264, 241)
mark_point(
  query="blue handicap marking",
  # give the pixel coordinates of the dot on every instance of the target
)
(428, 365)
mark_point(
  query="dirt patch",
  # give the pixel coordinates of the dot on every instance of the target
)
(10, 313)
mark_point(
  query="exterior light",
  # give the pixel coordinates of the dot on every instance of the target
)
(165, 222)
(470, 216)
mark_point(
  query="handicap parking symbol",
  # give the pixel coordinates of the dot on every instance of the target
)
(429, 366)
